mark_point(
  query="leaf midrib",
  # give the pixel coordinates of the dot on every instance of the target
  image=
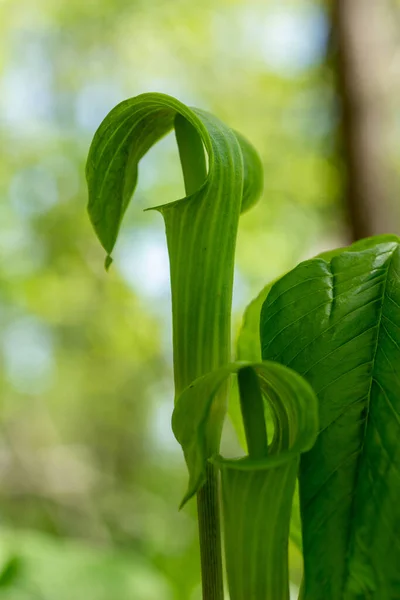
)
(367, 421)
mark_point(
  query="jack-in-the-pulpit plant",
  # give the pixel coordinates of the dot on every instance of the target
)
(317, 369)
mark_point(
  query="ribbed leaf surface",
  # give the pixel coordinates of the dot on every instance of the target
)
(201, 228)
(256, 492)
(201, 234)
(336, 321)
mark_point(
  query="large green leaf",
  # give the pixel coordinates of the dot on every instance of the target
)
(248, 347)
(257, 490)
(336, 321)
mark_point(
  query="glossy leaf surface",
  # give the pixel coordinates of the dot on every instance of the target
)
(336, 321)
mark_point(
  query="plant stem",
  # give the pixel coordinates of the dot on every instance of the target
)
(210, 537)
(192, 157)
(252, 407)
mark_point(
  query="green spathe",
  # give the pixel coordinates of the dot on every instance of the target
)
(201, 234)
(201, 229)
(257, 490)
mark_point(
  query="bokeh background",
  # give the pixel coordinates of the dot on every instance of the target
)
(90, 474)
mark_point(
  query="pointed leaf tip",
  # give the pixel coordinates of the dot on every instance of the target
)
(108, 262)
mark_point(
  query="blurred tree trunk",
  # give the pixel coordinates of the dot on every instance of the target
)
(363, 33)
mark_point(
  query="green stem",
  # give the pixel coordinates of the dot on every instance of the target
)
(210, 536)
(252, 407)
(192, 157)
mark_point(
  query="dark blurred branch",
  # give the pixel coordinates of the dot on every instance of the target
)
(364, 45)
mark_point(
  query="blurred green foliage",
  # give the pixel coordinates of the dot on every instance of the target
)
(86, 449)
